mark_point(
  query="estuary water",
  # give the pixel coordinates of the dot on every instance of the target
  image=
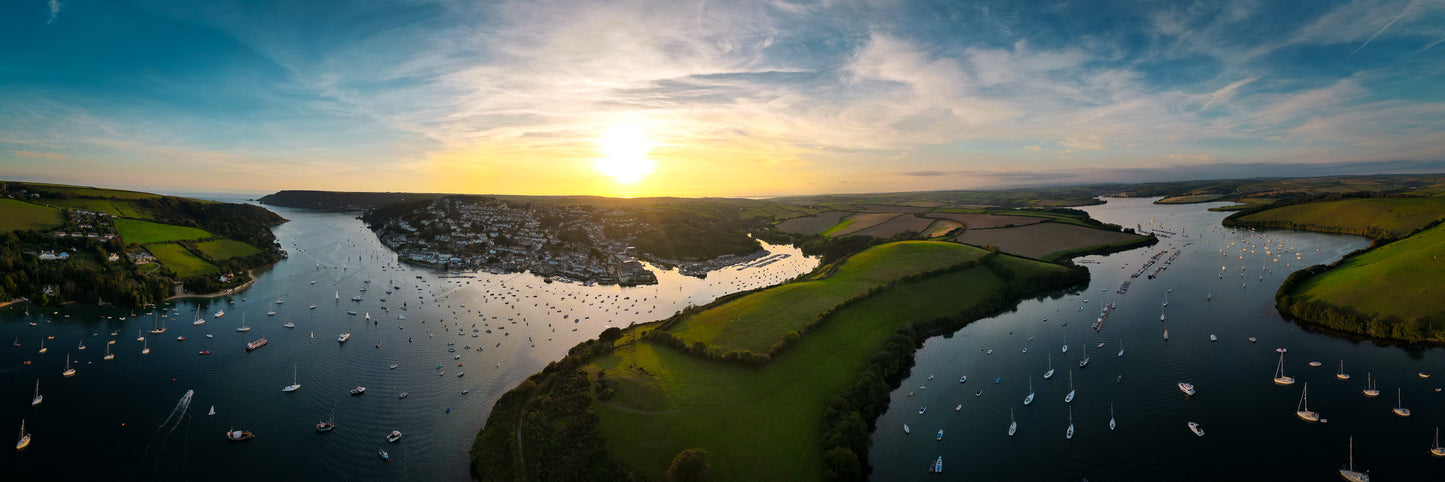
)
(128, 418)
(1251, 431)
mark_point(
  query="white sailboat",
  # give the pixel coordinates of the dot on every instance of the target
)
(38, 397)
(1435, 448)
(1400, 406)
(1279, 377)
(147, 347)
(1069, 434)
(213, 410)
(108, 354)
(1030, 399)
(1370, 390)
(1013, 426)
(1065, 348)
(1049, 374)
(293, 386)
(1348, 472)
(1085, 362)
(42, 345)
(69, 372)
(1111, 416)
(1303, 409)
(1342, 375)
(24, 437)
(1070, 397)
(1121, 347)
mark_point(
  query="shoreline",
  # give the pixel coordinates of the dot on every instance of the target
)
(250, 272)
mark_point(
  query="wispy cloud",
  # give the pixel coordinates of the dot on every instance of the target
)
(39, 155)
(54, 11)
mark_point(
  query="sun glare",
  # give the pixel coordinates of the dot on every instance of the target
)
(624, 154)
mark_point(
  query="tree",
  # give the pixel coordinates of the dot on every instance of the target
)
(841, 464)
(689, 465)
(610, 335)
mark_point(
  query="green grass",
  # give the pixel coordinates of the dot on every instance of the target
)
(223, 249)
(19, 216)
(766, 423)
(1405, 278)
(89, 191)
(837, 227)
(1399, 216)
(756, 321)
(146, 232)
(1189, 199)
(180, 261)
(114, 207)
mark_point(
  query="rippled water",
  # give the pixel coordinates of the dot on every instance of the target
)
(122, 418)
(1251, 430)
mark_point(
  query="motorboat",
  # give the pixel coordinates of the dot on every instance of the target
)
(394, 436)
(239, 435)
(1194, 427)
(1187, 388)
(358, 390)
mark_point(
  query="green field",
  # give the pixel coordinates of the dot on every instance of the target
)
(224, 249)
(1398, 216)
(89, 191)
(1405, 279)
(766, 423)
(176, 258)
(16, 215)
(1189, 199)
(756, 321)
(114, 207)
(146, 232)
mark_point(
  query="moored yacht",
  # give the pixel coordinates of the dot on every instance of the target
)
(239, 435)
(1400, 405)
(1435, 448)
(1370, 390)
(343, 337)
(1348, 472)
(1342, 375)
(1303, 410)
(1030, 399)
(1049, 374)
(394, 436)
(24, 437)
(1187, 388)
(69, 372)
(1194, 427)
(1279, 376)
(1013, 426)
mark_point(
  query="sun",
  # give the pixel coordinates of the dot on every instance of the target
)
(624, 151)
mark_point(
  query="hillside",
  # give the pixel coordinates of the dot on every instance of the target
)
(341, 201)
(801, 412)
(74, 243)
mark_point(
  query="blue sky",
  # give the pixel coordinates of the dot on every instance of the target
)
(732, 98)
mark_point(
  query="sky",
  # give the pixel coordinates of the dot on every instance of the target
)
(713, 98)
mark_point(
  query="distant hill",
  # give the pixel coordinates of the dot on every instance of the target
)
(342, 201)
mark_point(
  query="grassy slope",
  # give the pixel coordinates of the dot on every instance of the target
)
(176, 258)
(145, 232)
(1405, 279)
(115, 207)
(16, 215)
(758, 320)
(223, 249)
(1398, 215)
(767, 422)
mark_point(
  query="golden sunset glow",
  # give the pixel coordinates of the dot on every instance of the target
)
(624, 151)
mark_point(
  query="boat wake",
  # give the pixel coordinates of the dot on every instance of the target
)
(172, 421)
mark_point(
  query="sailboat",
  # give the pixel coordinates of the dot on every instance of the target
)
(1065, 349)
(293, 386)
(1069, 434)
(82, 344)
(1279, 377)
(38, 397)
(1111, 416)
(1370, 390)
(1161, 314)
(1121, 347)
(1030, 399)
(1399, 405)
(1342, 375)
(147, 348)
(1013, 426)
(198, 321)
(108, 354)
(1303, 409)
(1348, 472)
(139, 336)
(70, 372)
(157, 329)
(24, 437)
(1435, 448)
(42, 345)
(243, 327)
(213, 410)
(1070, 397)
(338, 296)
(1085, 362)
(1049, 374)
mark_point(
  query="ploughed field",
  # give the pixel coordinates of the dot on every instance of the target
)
(1043, 239)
